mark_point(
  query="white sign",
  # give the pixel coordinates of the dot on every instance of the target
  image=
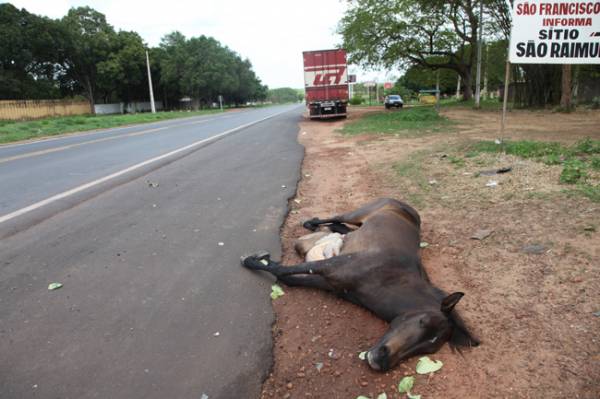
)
(555, 32)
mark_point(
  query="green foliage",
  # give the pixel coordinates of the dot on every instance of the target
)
(30, 55)
(16, 131)
(587, 190)
(523, 148)
(588, 146)
(418, 78)
(82, 54)
(432, 34)
(356, 100)
(283, 95)
(576, 160)
(203, 69)
(573, 171)
(409, 121)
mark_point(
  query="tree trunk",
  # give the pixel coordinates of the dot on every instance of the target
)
(566, 94)
(466, 81)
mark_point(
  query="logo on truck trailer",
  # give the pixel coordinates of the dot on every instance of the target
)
(326, 76)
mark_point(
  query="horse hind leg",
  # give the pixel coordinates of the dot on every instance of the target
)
(355, 218)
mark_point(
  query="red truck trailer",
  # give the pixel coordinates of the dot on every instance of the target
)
(326, 83)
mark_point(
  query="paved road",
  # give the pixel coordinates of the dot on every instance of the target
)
(154, 303)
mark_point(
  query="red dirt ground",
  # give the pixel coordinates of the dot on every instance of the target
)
(533, 313)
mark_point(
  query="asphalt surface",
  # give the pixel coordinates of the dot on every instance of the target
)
(154, 303)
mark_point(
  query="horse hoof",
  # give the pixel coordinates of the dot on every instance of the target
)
(263, 255)
(246, 260)
(311, 224)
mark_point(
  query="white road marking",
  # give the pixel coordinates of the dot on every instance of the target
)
(85, 186)
(112, 129)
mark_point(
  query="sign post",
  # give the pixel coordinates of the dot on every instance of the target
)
(553, 32)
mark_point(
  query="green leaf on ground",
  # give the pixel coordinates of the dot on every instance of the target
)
(54, 286)
(424, 244)
(362, 355)
(406, 384)
(276, 291)
(382, 396)
(426, 365)
(411, 396)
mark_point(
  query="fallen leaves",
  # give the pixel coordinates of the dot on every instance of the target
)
(276, 291)
(54, 286)
(425, 365)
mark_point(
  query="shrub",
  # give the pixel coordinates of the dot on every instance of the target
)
(573, 171)
(356, 100)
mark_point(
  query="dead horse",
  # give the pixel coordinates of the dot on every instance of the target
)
(379, 267)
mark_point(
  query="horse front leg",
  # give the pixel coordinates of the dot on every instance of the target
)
(308, 274)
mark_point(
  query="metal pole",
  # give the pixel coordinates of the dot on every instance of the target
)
(506, 78)
(478, 77)
(221, 102)
(150, 84)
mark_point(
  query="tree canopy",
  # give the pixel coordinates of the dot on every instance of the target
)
(82, 54)
(433, 34)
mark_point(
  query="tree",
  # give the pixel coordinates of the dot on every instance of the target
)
(122, 75)
(418, 77)
(202, 69)
(89, 41)
(30, 54)
(394, 33)
(283, 95)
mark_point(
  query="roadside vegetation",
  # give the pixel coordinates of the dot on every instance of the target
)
(487, 104)
(82, 54)
(404, 122)
(580, 162)
(456, 175)
(11, 131)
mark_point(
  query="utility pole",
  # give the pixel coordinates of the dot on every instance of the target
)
(150, 84)
(478, 78)
(458, 88)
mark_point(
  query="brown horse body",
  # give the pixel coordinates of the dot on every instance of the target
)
(379, 267)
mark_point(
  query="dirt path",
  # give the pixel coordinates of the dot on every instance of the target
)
(533, 312)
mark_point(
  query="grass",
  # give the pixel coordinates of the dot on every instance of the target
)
(490, 104)
(411, 170)
(576, 160)
(406, 122)
(11, 131)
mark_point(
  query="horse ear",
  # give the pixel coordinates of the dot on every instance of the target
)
(450, 302)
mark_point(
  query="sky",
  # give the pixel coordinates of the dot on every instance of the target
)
(271, 33)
